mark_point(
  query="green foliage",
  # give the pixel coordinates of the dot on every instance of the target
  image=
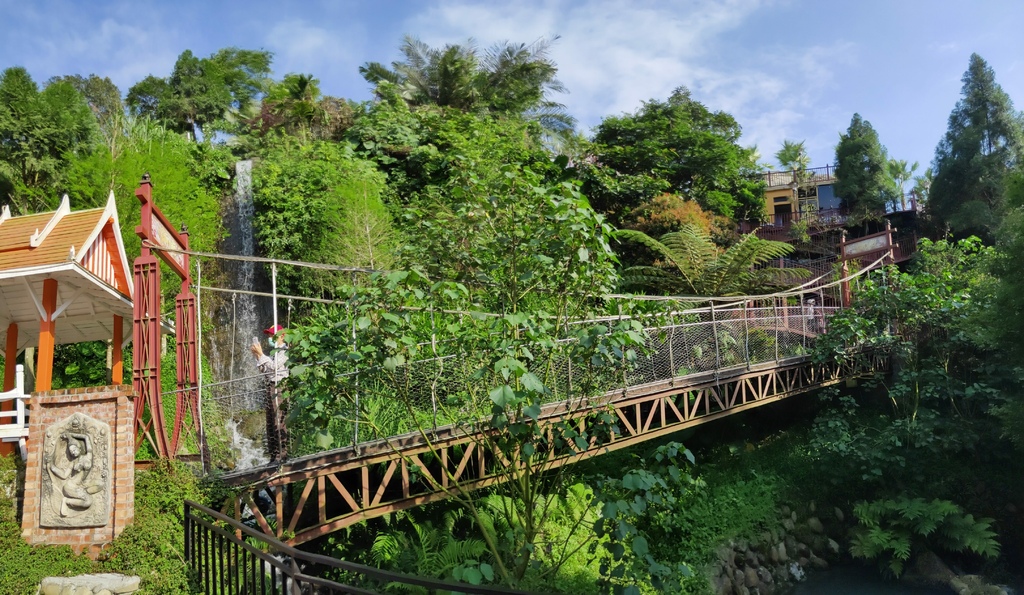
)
(507, 270)
(80, 364)
(317, 202)
(22, 566)
(40, 131)
(638, 516)
(861, 170)
(153, 546)
(638, 156)
(889, 531)
(421, 549)
(693, 265)
(508, 78)
(203, 92)
(982, 144)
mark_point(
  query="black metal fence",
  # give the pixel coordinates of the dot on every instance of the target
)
(228, 558)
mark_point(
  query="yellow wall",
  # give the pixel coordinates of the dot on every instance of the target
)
(770, 195)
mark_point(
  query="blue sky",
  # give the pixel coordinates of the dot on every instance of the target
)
(786, 69)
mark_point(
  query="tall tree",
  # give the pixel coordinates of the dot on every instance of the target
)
(39, 132)
(677, 146)
(508, 78)
(982, 144)
(102, 94)
(861, 170)
(203, 92)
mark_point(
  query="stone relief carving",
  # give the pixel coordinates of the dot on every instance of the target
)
(76, 473)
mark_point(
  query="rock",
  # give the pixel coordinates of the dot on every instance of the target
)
(773, 555)
(785, 511)
(793, 516)
(815, 525)
(751, 579)
(833, 547)
(803, 549)
(789, 525)
(103, 592)
(818, 563)
(813, 508)
(838, 513)
(765, 576)
(783, 555)
(929, 569)
(742, 590)
(115, 584)
(750, 559)
(723, 585)
(738, 578)
(803, 562)
(727, 555)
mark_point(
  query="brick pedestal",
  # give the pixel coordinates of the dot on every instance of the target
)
(111, 405)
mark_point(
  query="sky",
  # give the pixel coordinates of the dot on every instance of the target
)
(785, 69)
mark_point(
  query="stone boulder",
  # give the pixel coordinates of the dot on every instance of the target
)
(90, 584)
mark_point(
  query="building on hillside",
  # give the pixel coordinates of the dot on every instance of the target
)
(794, 195)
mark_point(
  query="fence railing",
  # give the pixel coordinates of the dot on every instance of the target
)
(14, 421)
(780, 225)
(227, 557)
(813, 175)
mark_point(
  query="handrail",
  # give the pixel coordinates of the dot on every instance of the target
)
(202, 561)
(16, 430)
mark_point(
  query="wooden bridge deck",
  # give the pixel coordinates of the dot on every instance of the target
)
(341, 487)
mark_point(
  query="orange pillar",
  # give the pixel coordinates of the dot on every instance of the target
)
(10, 361)
(47, 328)
(10, 356)
(116, 359)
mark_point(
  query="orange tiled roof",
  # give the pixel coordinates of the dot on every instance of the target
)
(72, 230)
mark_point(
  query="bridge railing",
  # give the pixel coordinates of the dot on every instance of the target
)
(435, 392)
(227, 557)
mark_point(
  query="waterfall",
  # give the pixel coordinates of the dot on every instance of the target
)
(238, 319)
(248, 453)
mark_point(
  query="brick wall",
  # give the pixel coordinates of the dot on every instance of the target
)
(113, 405)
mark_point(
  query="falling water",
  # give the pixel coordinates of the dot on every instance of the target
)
(248, 453)
(238, 320)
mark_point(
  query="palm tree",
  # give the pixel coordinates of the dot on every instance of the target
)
(691, 264)
(901, 173)
(508, 78)
(793, 156)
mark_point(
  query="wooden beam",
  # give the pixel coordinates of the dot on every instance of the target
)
(47, 335)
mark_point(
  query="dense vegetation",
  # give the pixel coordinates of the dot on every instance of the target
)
(488, 220)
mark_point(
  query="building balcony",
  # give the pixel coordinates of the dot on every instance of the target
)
(813, 176)
(780, 225)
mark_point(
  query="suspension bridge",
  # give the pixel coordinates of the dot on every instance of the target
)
(703, 359)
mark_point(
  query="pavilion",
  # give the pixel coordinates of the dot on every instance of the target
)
(64, 278)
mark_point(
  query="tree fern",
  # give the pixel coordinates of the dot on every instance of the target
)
(691, 263)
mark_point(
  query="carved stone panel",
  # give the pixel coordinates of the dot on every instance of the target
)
(76, 474)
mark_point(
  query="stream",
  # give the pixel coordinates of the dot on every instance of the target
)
(855, 580)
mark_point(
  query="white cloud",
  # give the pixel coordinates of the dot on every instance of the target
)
(615, 54)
